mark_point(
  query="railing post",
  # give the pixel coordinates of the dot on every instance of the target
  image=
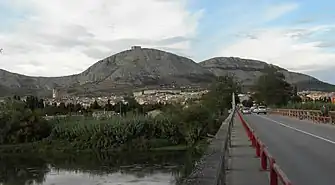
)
(253, 139)
(229, 132)
(264, 160)
(258, 148)
(273, 173)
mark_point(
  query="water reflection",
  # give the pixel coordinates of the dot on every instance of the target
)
(159, 168)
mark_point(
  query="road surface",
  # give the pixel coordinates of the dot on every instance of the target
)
(305, 151)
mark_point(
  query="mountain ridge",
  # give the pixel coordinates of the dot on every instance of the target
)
(147, 67)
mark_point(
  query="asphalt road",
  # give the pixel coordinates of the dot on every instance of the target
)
(305, 151)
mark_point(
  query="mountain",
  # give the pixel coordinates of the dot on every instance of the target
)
(147, 68)
(248, 71)
(135, 68)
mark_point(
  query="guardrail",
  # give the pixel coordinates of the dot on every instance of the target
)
(211, 168)
(312, 115)
(267, 161)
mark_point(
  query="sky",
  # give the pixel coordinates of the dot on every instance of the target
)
(54, 38)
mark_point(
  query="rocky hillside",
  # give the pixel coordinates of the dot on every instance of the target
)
(145, 67)
(141, 67)
(248, 71)
(129, 69)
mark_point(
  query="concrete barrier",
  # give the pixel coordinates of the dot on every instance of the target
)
(211, 168)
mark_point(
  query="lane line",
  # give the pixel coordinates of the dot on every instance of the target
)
(298, 130)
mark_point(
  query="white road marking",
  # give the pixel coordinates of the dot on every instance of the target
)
(298, 130)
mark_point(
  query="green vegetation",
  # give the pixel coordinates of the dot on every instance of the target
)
(248, 103)
(22, 123)
(272, 89)
(19, 124)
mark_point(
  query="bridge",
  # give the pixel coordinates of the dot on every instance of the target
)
(288, 147)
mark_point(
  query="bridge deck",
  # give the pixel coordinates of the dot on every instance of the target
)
(305, 151)
(244, 167)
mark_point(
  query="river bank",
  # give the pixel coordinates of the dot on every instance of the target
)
(86, 168)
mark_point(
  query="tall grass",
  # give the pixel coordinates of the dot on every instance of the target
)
(186, 127)
(176, 125)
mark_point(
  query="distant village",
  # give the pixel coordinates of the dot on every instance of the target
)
(142, 97)
(161, 96)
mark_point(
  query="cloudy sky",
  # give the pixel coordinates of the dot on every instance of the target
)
(52, 38)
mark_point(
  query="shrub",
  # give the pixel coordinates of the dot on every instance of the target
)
(19, 124)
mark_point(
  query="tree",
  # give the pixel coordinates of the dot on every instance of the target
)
(132, 104)
(272, 89)
(78, 107)
(248, 103)
(20, 124)
(95, 105)
(121, 108)
(295, 97)
(15, 97)
(109, 106)
(31, 102)
(70, 107)
(41, 104)
(219, 98)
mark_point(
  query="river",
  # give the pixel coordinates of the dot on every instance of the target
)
(127, 168)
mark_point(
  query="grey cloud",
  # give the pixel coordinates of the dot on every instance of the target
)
(121, 44)
(98, 49)
(19, 47)
(308, 68)
(34, 63)
(304, 21)
(173, 40)
(71, 36)
(326, 75)
(181, 52)
(132, 41)
(77, 30)
(327, 44)
(299, 33)
(76, 35)
(308, 33)
(96, 53)
(247, 35)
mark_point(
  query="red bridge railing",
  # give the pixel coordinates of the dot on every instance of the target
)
(312, 115)
(267, 161)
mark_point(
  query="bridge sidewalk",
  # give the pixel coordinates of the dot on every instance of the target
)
(243, 166)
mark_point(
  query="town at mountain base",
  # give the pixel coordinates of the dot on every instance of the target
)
(140, 68)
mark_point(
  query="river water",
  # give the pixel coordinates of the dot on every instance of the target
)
(136, 168)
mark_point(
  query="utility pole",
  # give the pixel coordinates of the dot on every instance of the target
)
(121, 108)
(233, 101)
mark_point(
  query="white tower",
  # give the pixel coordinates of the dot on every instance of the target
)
(54, 93)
